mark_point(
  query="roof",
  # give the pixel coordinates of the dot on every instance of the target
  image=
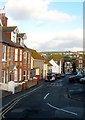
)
(7, 40)
(20, 35)
(55, 57)
(25, 48)
(36, 55)
(9, 28)
(50, 64)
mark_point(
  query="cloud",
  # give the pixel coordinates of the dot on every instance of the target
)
(11, 21)
(76, 34)
(42, 41)
(35, 9)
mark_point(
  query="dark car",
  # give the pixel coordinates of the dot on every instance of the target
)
(62, 75)
(50, 78)
(75, 78)
(57, 75)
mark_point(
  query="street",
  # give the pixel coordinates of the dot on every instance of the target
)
(49, 100)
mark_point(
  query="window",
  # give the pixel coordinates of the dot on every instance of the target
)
(14, 37)
(20, 55)
(19, 40)
(3, 52)
(25, 74)
(16, 54)
(25, 57)
(15, 75)
(3, 76)
(29, 58)
(7, 76)
(80, 61)
(80, 66)
(20, 73)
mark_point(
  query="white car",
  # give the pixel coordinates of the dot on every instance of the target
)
(50, 77)
(82, 80)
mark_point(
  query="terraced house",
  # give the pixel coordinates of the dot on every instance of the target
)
(14, 58)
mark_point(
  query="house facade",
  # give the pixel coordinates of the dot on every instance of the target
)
(37, 64)
(14, 60)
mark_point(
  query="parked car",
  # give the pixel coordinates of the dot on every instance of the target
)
(82, 80)
(75, 78)
(74, 73)
(50, 78)
(57, 75)
(62, 75)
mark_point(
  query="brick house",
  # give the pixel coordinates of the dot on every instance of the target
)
(14, 59)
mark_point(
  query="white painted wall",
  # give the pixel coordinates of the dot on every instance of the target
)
(45, 70)
(13, 37)
(55, 67)
(11, 86)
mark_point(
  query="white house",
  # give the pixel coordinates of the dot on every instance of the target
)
(55, 67)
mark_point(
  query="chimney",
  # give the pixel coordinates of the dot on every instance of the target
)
(3, 19)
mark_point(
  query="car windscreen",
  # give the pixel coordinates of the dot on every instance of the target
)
(49, 77)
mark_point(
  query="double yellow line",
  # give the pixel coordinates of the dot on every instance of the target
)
(7, 109)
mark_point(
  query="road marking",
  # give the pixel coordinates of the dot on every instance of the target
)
(62, 109)
(20, 97)
(46, 96)
(15, 101)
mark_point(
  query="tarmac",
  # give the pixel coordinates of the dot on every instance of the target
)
(6, 98)
(76, 94)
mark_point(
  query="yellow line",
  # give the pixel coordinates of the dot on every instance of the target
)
(16, 101)
(10, 108)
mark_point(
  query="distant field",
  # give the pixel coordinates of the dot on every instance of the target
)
(51, 52)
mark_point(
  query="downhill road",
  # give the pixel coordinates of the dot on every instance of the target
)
(49, 100)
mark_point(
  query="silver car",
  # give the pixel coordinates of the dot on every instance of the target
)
(50, 77)
(82, 80)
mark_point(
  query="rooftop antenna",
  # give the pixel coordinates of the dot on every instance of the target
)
(2, 6)
(2, 10)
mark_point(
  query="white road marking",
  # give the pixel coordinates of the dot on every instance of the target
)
(62, 109)
(46, 96)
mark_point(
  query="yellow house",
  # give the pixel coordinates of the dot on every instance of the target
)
(37, 64)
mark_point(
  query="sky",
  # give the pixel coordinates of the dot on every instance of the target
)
(50, 25)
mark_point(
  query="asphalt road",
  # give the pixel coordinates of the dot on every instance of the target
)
(49, 100)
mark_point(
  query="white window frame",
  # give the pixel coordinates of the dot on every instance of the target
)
(25, 57)
(13, 37)
(16, 54)
(16, 75)
(29, 58)
(7, 76)
(3, 76)
(20, 55)
(20, 74)
(25, 74)
(3, 52)
(80, 61)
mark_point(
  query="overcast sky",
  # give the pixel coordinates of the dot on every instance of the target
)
(50, 25)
